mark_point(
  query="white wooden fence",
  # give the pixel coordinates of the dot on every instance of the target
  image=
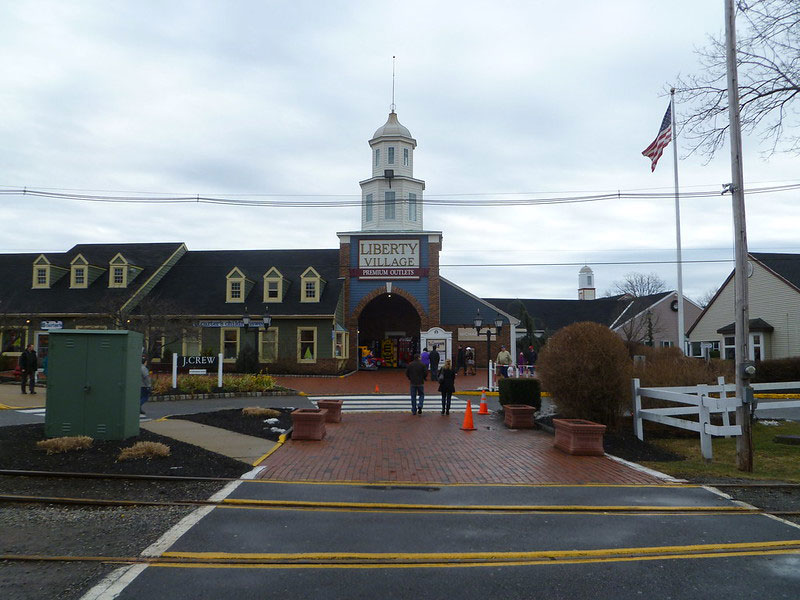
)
(696, 400)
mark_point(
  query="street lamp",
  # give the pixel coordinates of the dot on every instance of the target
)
(498, 323)
(266, 320)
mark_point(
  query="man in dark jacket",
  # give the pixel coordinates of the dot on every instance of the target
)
(416, 372)
(434, 359)
(461, 360)
(28, 364)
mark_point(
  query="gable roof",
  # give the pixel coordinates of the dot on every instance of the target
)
(782, 265)
(459, 307)
(555, 314)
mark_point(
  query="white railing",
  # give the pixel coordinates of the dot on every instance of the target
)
(515, 371)
(697, 400)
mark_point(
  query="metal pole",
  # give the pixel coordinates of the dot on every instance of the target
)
(744, 443)
(489, 357)
(681, 324)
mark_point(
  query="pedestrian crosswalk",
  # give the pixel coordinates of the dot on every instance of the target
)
(40, 412)
(398, 403)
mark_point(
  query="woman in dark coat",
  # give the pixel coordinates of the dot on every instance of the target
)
(447, 385)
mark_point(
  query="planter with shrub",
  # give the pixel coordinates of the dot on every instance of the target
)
(520, 391)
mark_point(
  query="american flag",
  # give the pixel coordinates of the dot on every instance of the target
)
(654, 150)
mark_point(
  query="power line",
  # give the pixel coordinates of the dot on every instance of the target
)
(288, 201)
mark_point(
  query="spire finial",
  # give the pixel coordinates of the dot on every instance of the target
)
(393, 61)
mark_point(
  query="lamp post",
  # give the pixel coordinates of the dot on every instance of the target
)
(266, 320)
(498, 323)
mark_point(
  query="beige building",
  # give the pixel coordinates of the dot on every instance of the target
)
(774, 289)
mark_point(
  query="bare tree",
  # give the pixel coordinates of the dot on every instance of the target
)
(705, 298)
(637, 284)
(641, 330)
(768, 59)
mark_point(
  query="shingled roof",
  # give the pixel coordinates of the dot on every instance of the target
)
(16, 275)
(787, 266)
(197, 283)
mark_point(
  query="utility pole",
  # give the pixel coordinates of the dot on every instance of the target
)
(744, 443)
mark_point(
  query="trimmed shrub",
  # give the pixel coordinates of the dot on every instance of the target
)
(257, 411)
(146, 450)
(65, 444)
(205, 384)
(587, 369)
(247, 361)
(664, 367)
(779, 369)
(520, 391)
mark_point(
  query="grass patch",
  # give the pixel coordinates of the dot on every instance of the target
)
(146, 450)
(770, 460)
(65, 444)
(257, 411)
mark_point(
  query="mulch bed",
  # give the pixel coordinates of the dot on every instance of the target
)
(18, 451)
(233, 420)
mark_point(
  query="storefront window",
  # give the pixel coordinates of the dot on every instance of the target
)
(230, 344)
(268, 352)
(13, 340)
(307, 344)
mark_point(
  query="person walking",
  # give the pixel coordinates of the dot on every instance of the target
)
(532, 358)
(425, 357)
(28, 364)
(447, 385)
(147, 385)
(470, 357)
(416, 372)
(461, 360)
(503, 360)
(433, 357)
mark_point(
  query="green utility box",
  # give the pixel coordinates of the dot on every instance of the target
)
(93, 383)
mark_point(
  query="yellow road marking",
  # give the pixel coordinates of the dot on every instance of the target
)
(483, 507)
(278, 444)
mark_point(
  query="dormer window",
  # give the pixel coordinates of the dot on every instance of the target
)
(310, 286)
(390, 155)
(274, 284)
(237, 286)
(121, 272)
(78, 272)
(45, 274)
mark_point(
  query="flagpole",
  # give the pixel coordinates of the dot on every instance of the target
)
(681, 323)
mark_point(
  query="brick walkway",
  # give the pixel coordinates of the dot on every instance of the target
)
(389, 381)
(379, 447)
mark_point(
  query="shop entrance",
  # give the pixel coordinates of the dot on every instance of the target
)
(388, 329)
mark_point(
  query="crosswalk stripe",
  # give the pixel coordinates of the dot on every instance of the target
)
(387, 403)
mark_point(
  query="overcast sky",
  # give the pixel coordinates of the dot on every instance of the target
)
(245, 99)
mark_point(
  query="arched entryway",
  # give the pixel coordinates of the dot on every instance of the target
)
(389, 325)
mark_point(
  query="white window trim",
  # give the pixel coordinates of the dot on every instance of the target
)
(300, 358)
(386, 205)
(412, 202)
(310, 275)
(368, 208)
(390, 155)
(273, 276)
(406, 157)
(262, 334)
(222, 343)
(235, 276)
(345, 345)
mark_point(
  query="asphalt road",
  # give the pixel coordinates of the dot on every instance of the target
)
(436, 536)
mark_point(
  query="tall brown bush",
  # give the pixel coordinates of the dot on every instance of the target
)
(587, 369)
(665, 367)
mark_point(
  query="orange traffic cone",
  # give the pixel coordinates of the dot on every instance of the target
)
(377, 390)
(468, 424)
(484, 410)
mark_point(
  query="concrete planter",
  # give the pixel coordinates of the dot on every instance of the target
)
(519, 416)
(308, 423)
(579, 437)
(334, 408)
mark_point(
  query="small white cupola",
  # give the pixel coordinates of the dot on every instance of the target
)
(391, 200)
(586, 289)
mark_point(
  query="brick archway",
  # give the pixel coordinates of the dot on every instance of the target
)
(356, 314)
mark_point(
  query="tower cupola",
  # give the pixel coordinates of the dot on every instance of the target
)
(586, 289)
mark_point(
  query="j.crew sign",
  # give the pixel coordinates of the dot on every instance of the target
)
(195, 362)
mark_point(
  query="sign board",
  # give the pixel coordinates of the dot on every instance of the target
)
(48, 325)
(388, 259)
(198, 372)
(256, 323)
(469, 334)
(197, 362)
